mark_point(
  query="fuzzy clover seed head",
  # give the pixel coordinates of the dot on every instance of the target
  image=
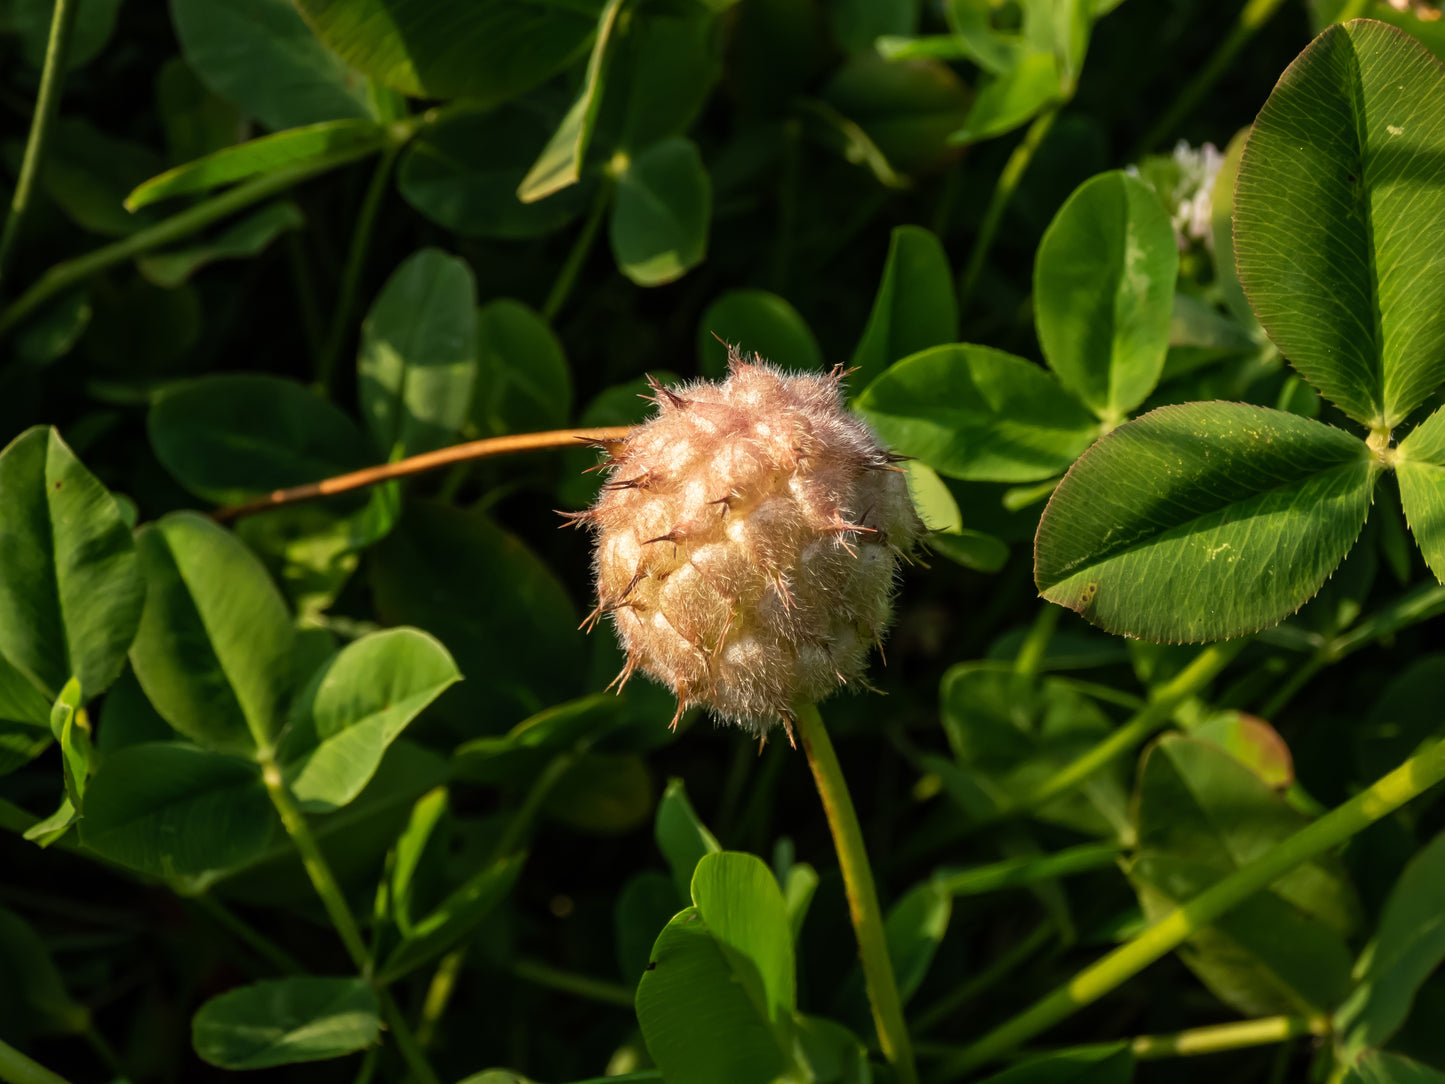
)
(748, 538)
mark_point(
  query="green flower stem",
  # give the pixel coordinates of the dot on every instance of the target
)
(1411, 608)
(68, 273)
(1254, 15)
(863, 904)
(355, 262)
(1209, 1040)
(581, 248)
(540, 974)
(1014, 872)
(411, 1052)
(1008, 182)
(16, 1068)
(317, 868)
(47, 106)
(987, 979)
(1410, 780)
(1151, 717)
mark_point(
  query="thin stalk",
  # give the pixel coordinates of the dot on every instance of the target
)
(47, 107)
(16, 1068)
(419, 464)
(317, 868)
(1410, 780)
(581, 248)
(1151, 717)
(1235, 1036)
(1014, 872)
(540, 974)
(863, 904)
(1031, 654)
(69, 272)
(1253, 16)
(411, 1052)
(1008, 181)
(986, 979)
(521, 822)
(351, 273)
(248, 935)
(438, 994)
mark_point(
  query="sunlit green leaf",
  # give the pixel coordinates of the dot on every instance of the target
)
(299, 1018)
(915, 306)
(661, 213)
(755, 322)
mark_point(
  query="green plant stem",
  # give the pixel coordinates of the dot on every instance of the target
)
(69, 272)
(986, 979)
(1014, 872)
(16, 1068)
(351, 273)
(1235, 1036)
(411, 1052)
(1253, 16)
(248, 935)
(317, 868)
(1410, 780)
(521, 822)
(581, 248)
(1030, 659)
(1008, 182)
(540, 974)
(47, 107)
(1409, 609)
(1151, 717)
(863, 904)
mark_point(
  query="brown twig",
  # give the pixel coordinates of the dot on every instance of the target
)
(419, 464)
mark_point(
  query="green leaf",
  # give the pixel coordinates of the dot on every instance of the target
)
(463, 172)
(24, 719)
(1378, 1067)
(1104, 290)
(1011, 99)
(1201, 816)
(535, 741)
(646, 903)
(487, 50)
(30, 20)
(55, 328)
(88, 174)
(1409, 945)
(418, 361)
(1014, 732)
(908, 109)
(455, 918)
(977, 413)
(299, 1018)
(1252, 742)
(248, 236)
(172, 810)
(258, 55)
(915, 926)
(498, 609)
(197, 121)
(1106, 1063)
(259, 157)
(755, 322)
(235, 436)
(661, 213)
(1420, 467)
(1203, 521)
(214, 653)
(353, 708)
(523, 383)
(604, 794)
(665, 70)
(716, 1003)
(1336, 210)
(835, 1054)
(681, 836)
(916, 305)
(74, 739)
(1221, 228)
(560, 163)
(70, 583)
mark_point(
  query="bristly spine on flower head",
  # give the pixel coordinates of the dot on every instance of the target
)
(748, 539)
